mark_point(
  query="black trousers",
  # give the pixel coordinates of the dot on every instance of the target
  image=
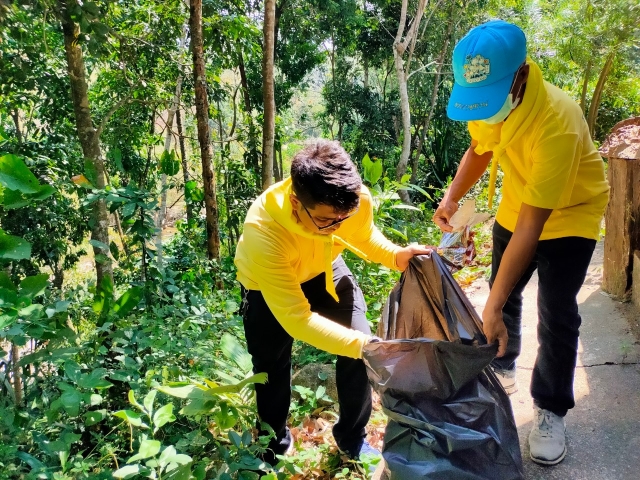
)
(270, 348)
(562, 265)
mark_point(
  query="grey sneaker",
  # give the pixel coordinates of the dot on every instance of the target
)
(547, 443)
(507, 379)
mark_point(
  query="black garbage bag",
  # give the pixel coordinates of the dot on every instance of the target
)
(449, 417)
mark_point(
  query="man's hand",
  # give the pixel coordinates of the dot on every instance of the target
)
(443, 214)
(494, 328)
(407, 253)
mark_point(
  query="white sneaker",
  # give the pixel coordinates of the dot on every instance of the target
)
(507, 380)
(547, 438)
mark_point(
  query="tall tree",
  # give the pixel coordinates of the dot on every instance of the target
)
(400, 46)
(89, 137)
(204, 134)
(268, 92)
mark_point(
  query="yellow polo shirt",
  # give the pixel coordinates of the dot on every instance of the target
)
(555, 165)
(276, 253)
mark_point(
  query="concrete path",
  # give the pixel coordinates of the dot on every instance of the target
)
(603, 430)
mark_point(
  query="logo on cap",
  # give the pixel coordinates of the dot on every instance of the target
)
(476, 69)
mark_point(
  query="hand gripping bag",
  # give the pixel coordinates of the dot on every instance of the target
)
(449, 417)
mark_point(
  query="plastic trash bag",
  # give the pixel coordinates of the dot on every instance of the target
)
(458, 247)
(449, 417)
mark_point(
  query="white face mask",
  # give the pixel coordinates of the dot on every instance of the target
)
(508, 106)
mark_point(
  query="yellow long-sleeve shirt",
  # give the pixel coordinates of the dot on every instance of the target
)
(276, 254)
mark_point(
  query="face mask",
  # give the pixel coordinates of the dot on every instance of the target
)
(504, 111)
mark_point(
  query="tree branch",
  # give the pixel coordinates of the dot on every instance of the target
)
(111, 111)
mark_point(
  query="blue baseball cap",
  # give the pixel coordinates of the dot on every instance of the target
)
(484, 65)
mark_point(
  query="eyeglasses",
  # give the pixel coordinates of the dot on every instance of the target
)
(338, 221)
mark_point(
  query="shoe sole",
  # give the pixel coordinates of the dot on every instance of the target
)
(511, 389)
(542, 461)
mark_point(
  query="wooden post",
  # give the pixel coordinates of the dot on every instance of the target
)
(635, 284)
(622, 218)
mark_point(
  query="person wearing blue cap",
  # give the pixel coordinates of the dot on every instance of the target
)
(554, 193)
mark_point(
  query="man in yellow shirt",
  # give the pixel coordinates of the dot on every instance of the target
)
(554, 193)
(296, 285)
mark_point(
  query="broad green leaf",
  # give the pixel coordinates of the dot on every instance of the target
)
(95, 379)
(113, 248)
(127, 471)
(14, 248)
(91, 8)
(71, 402)
(130, 417)
(35, 464)
(179, 472)
(90, 171)
(320, 392)
(235, 438)
(128, 301)
(233, 350)
(61, 306)
(34, 286)
(5, 282)
(148, 448)
(372, 169)
(103, 297)
(15, 175)
(148, 401)
(419, 189)
(115, 155)
(100, 28)
(169, 455)
(72, 370)
(91, 418)
(257, 378)
(192, 192)
(101, 258)
(8, 297)
(198, 406)
(30, 310)
(99, 245)
(12, 199)
(247, 438)
(132, 400)
(179, 392)
(169, 164)
(82, 181)
(6, 320)
(163, 416)
(403, 206)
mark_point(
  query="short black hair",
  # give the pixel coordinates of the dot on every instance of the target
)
(323, 173)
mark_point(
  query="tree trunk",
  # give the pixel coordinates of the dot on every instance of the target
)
(365, 82)
(597, 93)
(434, 99)
(252, 141)
(399, 47)
(204, 135)
(89, 140)
(245, 84)
(268, 94)
(162, 211)
(401, 169)
(585, 85)
(17, 374)
(15, 115)
(185, 165)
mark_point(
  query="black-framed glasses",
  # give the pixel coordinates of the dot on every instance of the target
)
(332, 224)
